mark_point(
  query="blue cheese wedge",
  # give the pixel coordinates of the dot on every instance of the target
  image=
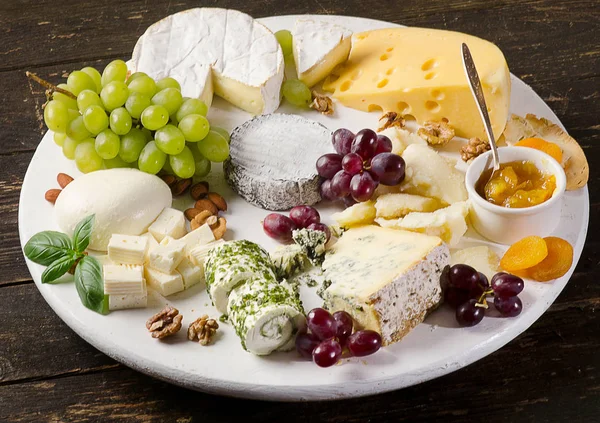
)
(312, 242)
(387, 279)
(289, 260)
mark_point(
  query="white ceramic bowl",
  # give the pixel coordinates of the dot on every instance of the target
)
(505, 225)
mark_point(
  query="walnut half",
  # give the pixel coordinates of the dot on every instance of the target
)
(164, 323)
(474, 148)
(202, 330)
(436, 133)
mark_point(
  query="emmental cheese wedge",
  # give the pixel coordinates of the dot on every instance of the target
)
(388, 280)
(419, 72)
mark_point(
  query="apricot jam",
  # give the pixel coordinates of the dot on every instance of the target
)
(516, 185)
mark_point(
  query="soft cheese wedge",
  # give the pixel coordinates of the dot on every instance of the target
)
(387, 280)
(318, 47)
(212, 50)
(419, 72)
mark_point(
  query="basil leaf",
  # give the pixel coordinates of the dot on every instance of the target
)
(46, 247)
(58, 268)
(82, 234)
(88, 281)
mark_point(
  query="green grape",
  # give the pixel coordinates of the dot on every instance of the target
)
(297, 93)
(68, 148)
(170, 139)
(136, 103)
(114, 94)
(79, 81)
(167, 83)
(152, 159)
(88, 98)
(203, 165)
(142, 84)
(214, 147)
(95, 75)
(117, 162)
(73, 114)
(154, 117)
(169, 98)
(95, 119)
(120, 121)
(59, 139)
(194, 127)
(86, 158)
(147, 133)
(132, 145)
(114, 71)
(192, 106)
(56, 116)
(183, 164)
(285, 41)
(167, 168)
(223, 132)
(71, 103)
(77, 129)
(135, 75)
(107, 144)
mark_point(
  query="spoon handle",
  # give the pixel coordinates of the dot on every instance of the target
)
(477, 91)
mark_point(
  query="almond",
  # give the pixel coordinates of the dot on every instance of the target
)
(181, 186)
(191, 213)
(63, 179)
(199, 190)
(169, 180)
(206, 204)
(52, 195)
(218, 201)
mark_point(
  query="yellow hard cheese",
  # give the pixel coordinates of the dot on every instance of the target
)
(419, 72)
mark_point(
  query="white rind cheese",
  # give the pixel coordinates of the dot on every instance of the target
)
(272, 160)
(318, 47)
(387, 280)
(215, 50)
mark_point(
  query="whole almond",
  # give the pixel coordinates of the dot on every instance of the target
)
(63, 179)
(181, 186)
(218, 201)
(206, 204)
(191, 213)
(199, 190)
(169, 180)
(52, 194)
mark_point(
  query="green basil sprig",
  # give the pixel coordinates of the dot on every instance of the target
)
(59, 253)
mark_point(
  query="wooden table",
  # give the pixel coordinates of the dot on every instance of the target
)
(47, 373)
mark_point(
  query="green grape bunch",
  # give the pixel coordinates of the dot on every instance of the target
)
(110, 119)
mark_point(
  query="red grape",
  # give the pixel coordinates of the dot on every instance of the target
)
(279, 227)
(384, 145)
(352, 163)
(389, 168)
(362, 186)
(365, 143)
(340, 184)
(444, 277)
(344, 325)
(326, 191)
(506, 285)
(321, 323)
(306, 343)
(321, 227)
(348, 201)
(480, 287)
(463, 276)
(327, 353)
(342, 141)
(364, 342)
(508, 306)
(468, 314)
(455, 296)
(303, 216)
(329, 164)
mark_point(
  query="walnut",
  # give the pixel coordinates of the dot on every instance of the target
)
(436, 133)
(322, 103)
(474, 148)
(390, 119)
(202, 330)
(164, 323)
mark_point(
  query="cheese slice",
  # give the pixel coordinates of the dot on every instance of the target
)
(387, 280)
(127, 301)
(419, 72)
(318, 47)
(401, 138)
(127, 249)
(215, 50)
(123, 279)
(391, 206)
(170, 222)
(481, 258)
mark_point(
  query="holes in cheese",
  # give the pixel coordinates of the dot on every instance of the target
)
(403, 107)
(384, 57)
(430, 75)
(429, 64)
(374, 108)
(432, 106)
(383, 83)
(346, 86)
(438, 95)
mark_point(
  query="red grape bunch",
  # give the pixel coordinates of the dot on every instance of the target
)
(280, 227)
(361, 162)
(329, 334)
(466, 290)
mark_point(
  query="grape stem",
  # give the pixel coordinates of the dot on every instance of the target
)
(49, 86)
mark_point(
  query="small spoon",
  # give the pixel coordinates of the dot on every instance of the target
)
(477, 91)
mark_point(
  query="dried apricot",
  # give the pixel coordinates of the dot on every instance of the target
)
(524, 254)
(549, 148)
(557, 262)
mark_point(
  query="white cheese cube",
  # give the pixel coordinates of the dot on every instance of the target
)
(481, 258)
(125, 301)
(200, 236)
(167, 255)
(103, 259)
(198, 254)
(123, 279)
(127, 249)
(166, 284)
(190, 273)
(152, 244)
(170, 222)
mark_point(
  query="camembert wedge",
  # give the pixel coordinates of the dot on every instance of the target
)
(388, 280)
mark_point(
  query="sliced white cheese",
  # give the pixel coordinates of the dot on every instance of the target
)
(390, 206)
(355, 215)
(127, 301)
(170, 222)
(199, 236)
(123, 279)
(166, 284)
(481, 258)
(167, 256)
(401, 138)
(127, 249)
(190, 273)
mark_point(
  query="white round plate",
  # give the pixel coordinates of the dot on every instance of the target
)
(436, 347)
